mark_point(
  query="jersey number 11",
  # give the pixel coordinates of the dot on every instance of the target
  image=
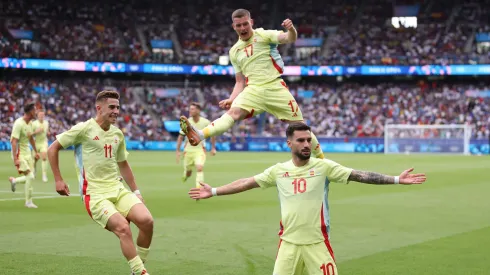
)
(108, 150)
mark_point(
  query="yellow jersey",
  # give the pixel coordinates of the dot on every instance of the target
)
(42, 137)
(258, 58)
(303, 196)
(97, 153)
(20, 131)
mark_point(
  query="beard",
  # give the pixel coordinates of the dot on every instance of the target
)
(303, 156)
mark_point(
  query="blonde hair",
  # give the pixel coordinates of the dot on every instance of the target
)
(240, 13)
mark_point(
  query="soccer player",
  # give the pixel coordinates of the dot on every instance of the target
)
(100, 151)
(41, 132)
(20, 138)
(259, 87)
(195, 155)
(303, 183)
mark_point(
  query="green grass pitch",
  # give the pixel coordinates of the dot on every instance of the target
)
(441, 227)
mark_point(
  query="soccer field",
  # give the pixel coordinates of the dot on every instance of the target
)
(441, 227)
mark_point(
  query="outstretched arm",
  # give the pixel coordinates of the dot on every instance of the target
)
(238, 186)
(375, 178)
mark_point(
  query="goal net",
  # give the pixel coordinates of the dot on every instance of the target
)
(404, 139)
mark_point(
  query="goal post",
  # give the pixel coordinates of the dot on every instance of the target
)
(435, 139)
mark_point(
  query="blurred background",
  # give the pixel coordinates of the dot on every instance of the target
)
(356, 67)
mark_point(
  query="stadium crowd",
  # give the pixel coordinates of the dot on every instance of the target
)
(353, 32)
(345, 110)
(68, 102)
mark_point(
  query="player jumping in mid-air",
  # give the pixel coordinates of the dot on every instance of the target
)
(259, 87)
(100, 151)
(195, 155)
(41, 132)
(21, 154)
(303, 183)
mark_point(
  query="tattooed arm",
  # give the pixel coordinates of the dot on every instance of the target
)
(376, 178)
(371, 177)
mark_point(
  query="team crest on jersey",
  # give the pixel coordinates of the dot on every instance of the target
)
(312, 172)
(116, 140)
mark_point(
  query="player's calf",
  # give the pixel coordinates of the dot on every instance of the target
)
(199, 175)
(13, 184)
(187, 174)
(142, 218)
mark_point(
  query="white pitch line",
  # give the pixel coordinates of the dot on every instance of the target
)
(40, 193)
(41, 197)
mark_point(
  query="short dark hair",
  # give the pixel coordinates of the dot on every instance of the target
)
(240, 13)
(104, 95)
(296, 126)
(29, 107)
(197, 105)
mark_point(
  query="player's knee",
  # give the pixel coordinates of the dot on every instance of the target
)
(122, 229)
(235, 113)
(147, 222)
(199, 168)
(30, 175)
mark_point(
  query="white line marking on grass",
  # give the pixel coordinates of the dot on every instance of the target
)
(39, 193)
(41, 197)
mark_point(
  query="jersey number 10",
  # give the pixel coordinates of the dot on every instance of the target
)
(328, 269)
(299, 185)
(108, 150)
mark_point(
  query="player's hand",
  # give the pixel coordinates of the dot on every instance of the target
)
(37, 156)
(201, 193)
(407, 178)
(177, 157)
(287, 24)
(213, 152)
(62, 188)
(141, 198)
(17, 163)
(225, 104)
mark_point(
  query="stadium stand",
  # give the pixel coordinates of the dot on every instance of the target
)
(350, 32)
(344, 110)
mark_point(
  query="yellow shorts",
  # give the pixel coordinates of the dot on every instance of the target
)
(42, 148)
(26, 164)
(101, 207)
(194, 158)
(312, 259)
(273, 98)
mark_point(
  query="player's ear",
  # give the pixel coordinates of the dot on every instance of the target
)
(251, 22)
(289, 143)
